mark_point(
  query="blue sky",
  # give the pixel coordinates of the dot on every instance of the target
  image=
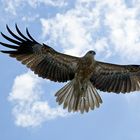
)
(27, 103)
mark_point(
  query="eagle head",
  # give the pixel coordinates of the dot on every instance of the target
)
(91, 52)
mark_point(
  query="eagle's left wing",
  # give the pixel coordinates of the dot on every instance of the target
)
(116, 78)
(40, 58)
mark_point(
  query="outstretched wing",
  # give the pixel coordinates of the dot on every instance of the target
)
(42, 59)
(116, 78)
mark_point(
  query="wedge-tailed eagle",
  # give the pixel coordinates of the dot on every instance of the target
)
(85, 74)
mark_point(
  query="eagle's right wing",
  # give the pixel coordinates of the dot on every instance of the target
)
(42, 59)
(116, 78)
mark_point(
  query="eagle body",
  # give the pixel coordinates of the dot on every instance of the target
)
(80, 94)
(85, 67)
(84, 75)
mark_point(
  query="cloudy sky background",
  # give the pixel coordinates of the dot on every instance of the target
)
(27, 103)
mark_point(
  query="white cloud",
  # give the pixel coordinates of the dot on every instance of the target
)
(76, 30)
(12, 6)
(124, 29)
(29, 110)
(109, 27)
(30, 18)
(55, 3)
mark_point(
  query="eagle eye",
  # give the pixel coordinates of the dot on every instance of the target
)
(92, 52)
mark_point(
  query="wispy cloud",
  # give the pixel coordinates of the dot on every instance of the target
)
(109, 27)
(12, 6)
(29, 110)
(74, 30)
(124, 34)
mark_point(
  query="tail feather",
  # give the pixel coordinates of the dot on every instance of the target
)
(78, 101)
(62, 93)
(82, 105)
(97, 97)
(94, 97)
(71, 103)
(68, 95)
(87, 105)
(90, 98)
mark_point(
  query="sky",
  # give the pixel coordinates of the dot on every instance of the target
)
(27, 103)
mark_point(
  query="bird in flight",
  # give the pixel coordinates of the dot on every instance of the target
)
(85, 75)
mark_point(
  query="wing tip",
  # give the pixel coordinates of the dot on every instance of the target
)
(7, 26)
(2, 51)
(2, 33)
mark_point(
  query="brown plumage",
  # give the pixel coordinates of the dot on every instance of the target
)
(84, 74)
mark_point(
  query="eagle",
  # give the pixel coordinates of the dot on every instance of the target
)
(84, 75)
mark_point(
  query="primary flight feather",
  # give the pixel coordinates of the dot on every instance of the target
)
(85, 74)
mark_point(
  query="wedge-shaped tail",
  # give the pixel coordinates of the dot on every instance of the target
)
(76, 101)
